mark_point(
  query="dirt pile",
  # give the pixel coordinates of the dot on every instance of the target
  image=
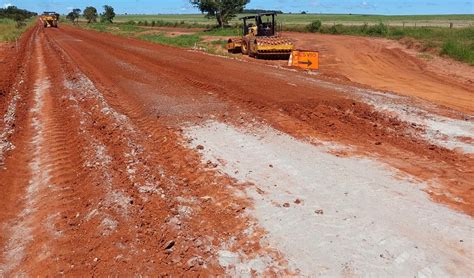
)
(387, 65)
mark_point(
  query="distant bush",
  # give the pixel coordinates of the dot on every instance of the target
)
(364, 28)
(314, 26)
(377, 30)
(397, 32)
(333, 29)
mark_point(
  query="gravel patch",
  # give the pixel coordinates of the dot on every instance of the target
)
(334, 216)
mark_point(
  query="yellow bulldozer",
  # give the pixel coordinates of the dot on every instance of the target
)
(260, 39)
(50, 19)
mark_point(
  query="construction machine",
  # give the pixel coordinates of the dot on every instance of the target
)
(50, 19)
(260, 38)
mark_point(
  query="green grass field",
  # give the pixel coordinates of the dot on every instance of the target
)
(9, 31)
(300, 19)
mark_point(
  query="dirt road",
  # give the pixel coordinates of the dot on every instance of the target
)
(122, 157)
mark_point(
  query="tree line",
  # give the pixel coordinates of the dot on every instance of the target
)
(222, 10)
(91, 14)
(14, 13)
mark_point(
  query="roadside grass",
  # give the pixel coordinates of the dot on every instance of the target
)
(130, 29)
(9, 31)
(459, 51)
(101, 27)
(222, 32)
(180, 41)
(221, 43)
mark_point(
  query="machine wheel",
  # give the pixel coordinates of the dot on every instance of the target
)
(230, 50)
(253, 49)
(245, 47)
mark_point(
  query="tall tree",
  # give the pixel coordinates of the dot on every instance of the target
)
(90, 13)
(74, 15)
(108, 14)
(222, 10)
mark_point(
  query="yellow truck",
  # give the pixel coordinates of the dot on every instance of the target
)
(49, 19)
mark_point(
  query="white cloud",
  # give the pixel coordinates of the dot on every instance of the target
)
(7, 5)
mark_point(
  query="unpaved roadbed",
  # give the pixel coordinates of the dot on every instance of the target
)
(123, 157)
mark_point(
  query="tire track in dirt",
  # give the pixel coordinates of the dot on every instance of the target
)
(13, 73)
(109, 197)
(22, 231)
(193, 189)
(50, 161)
(9, 123)
(13, 179)
(306, 109)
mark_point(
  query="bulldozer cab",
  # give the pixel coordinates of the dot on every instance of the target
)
(54, 14)
(261, 25)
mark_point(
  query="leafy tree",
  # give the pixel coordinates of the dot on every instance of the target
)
(90, 13)
(70, 16)
(108, 14)
(19, 15)
(74, 15)
(222, 10)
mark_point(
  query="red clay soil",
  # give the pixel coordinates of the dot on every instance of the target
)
(100, 182)
(88, 192)
(388, 65)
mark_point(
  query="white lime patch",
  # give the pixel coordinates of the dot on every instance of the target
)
(333, 216)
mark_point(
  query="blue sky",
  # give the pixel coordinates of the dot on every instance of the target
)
(388, 7)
